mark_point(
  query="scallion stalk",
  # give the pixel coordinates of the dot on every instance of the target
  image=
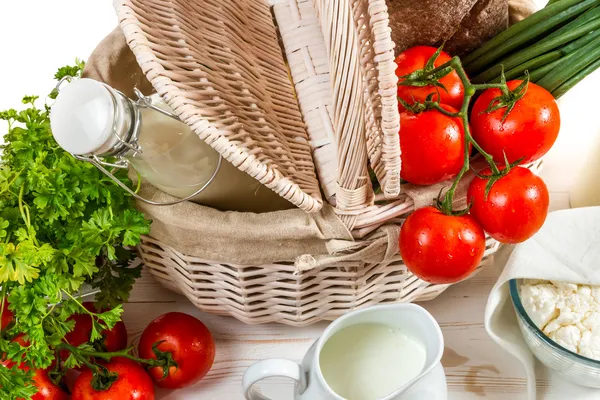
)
(526, 30)
(539, 73)
(530, 65)
(583, 57)
(539, 63)
(588, 16)
(538, 49)
(575, 79)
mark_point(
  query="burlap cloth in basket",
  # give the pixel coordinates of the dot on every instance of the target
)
(247, 238)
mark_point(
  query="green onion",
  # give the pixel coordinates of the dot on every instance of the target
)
(539, 73)
(583, 19)
(575, 79)
(530, 65)
(583, 57)
(537, 55)
(582, 41)
(526, 30)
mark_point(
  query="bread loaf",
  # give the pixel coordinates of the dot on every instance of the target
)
(461, 24)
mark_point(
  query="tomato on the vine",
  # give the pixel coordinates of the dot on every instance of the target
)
(190, 343)
(440, 248)
(47, 390)
(7, 315)
(529, 130)
(515, 207)
(132, 383)
(432, 146)
(415, 59)
(114, 339)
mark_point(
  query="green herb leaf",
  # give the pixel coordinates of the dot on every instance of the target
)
(62, 224)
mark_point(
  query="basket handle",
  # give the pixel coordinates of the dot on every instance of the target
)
(274, 367)
(341, 40)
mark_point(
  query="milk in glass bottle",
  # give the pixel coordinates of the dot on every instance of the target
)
(97, 123)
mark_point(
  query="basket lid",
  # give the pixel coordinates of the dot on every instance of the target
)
(226, 78)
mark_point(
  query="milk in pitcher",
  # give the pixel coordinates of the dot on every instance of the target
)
(370, 361)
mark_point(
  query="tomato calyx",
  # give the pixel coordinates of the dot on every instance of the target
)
(102, 378)
(508, 98)
(429, 75)
(166, 358)
(57, 373)
(418, 107)
(497, 175)
(445, 204)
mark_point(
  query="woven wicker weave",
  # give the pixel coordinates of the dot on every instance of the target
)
(275, 293)
(282, 89)
(226, 78)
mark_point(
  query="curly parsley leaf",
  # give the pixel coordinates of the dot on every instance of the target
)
(62, 224)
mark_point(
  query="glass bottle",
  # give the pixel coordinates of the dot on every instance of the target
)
(93, 121)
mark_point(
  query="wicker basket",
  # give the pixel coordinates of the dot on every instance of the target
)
(282, 89)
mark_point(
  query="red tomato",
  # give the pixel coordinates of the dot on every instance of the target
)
(432, 146)
(22, 339)
(415, 59)
(133, 383)
(7, 316)
(115, 339)
(516, 206)
(47, 390)
(528, 132)
(439, 248)
(190, 344)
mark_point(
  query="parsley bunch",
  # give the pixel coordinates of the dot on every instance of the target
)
(63, 224)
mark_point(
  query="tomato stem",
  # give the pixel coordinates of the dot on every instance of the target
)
(506, 100)
(84, 355)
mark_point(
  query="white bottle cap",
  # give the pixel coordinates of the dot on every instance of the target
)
(83, 116)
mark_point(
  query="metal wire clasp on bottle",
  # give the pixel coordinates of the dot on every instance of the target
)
(130, 145)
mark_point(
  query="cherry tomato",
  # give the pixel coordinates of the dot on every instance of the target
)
(7, 316)
(190, 343)
(432, 146)
(439, 248)
(133, 383)
(515, 208)
(114, 339)
(47, 390)
(23, 340)
(528, 132)
(415, 59)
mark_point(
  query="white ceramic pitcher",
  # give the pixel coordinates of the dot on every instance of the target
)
(411, 319)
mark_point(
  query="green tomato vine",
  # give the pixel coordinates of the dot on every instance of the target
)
(430, 76)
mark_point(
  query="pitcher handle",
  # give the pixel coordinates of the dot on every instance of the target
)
(271, 368)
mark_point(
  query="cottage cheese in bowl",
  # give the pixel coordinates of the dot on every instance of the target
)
(567, 313)
(560, 323)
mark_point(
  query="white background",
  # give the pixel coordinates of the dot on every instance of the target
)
(39, 36)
